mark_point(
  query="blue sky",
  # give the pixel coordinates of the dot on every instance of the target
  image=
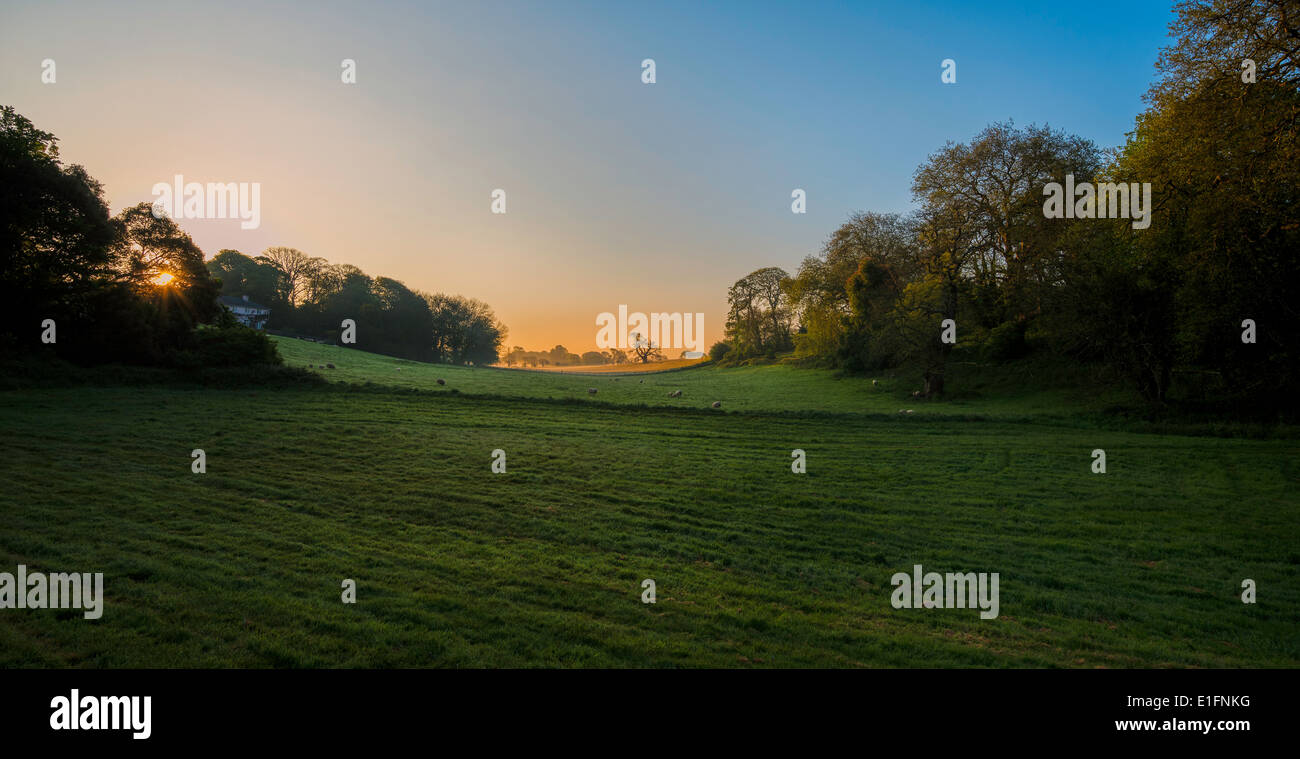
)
(656, 196)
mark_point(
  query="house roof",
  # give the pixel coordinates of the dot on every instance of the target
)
(232, 300)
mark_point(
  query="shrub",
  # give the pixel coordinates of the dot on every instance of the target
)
(229, 346)
(1006, 342)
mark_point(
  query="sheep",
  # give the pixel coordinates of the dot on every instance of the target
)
(909, 411)
(329, 366)
(873, 383)
(675, 394)
(717, 404)
(916, 393)
(591, 391)
(442, 381)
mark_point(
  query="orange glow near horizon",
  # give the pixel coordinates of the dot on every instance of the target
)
(656, 196)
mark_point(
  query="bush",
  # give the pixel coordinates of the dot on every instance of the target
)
(1006, 342)
(719, 350)
(263, 376)
(111, 324)
(228, 346)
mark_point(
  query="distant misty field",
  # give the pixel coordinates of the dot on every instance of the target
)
(633, 368)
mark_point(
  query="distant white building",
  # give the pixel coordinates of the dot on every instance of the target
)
(248, 313)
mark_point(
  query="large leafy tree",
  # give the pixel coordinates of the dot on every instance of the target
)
(873, 290)
(1223, 156)
(153, 255)
(242, 275)
(821, 294)
(992, 188)
(161, 267)
(54, 232)
(400, 323)
(759, 314)
(297, 271)
(466, 331)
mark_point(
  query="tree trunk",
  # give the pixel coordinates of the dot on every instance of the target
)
(933, 383)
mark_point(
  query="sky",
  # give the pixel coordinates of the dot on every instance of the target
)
(654, 196)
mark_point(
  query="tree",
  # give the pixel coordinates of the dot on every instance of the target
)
(242, 275)
(297, 269)
(54, 232)
(1115, 308)
(1223, 157)
(1213, 37)
(130, 289)
(561, 356)
(947, 242)
(873, 291)
(153, 255)
(992, 188)
(984, 242)
(353, 298)
(465, 330)
(758, 317)
(400, 323)
(329, 279)
(821, 294)
(645, 350)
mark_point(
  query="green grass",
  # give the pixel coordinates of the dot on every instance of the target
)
(542, 566)
(761, 388)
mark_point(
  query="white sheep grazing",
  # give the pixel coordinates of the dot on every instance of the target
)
(873, 383)
(916, 393)
(909, 411)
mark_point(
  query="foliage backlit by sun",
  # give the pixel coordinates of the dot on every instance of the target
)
(163, 279)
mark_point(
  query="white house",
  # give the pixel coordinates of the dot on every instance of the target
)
(246, 311)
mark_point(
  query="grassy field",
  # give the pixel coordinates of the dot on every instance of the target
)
(635, 368)
(776, 388)
(542, 565)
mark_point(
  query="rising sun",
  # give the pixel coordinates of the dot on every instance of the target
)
(163, 279)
